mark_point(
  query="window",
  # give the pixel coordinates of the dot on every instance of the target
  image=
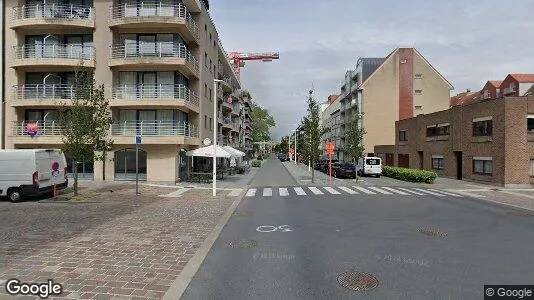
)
(211, 63)
(418, 107)
(210, 37)
(482, 165)
(211, 124)
(205, 90)
(431, 131)
(437, 162)
(206, 59)
(438, 130)
(211, 94)
(372, 161)
(418, 76)
(482, 128)
(205, 122)
(530, 123)
(418, 92)
(403, 135)
(531, 171)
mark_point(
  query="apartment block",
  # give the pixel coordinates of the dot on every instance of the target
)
(486, 140)
(331, 119)
(157, 60)
(399, 86)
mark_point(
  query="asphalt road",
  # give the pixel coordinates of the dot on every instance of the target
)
(473, 243)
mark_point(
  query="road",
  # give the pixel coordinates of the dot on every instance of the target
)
(412, 246)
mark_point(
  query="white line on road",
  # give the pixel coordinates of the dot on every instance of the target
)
(251, 193)
(446, 193)
(235, 193)
(364, 190)
(380, 190)
(331, 190)
(395, 191)
(299, 191)
(429, 192)
(410, 191)
(315, 190)
(267, 192)
(346, 189)
(283, 192)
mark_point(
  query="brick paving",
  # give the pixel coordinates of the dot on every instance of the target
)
(123, 247)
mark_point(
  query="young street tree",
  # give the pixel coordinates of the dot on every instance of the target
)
(262, 122)
(354, 138)
(314, 132)
(86, 120)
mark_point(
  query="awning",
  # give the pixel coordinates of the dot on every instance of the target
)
(233, 151)
(208, 152)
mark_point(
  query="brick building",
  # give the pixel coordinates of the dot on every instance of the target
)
(487, 140)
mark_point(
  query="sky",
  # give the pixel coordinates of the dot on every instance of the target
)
(467, 41)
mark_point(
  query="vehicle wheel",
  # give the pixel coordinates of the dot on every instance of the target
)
(14, 195)
(378, 176)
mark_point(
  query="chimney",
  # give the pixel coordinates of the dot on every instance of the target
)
(468, 90)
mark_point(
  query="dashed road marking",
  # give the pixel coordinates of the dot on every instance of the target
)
(364, 190)
(380, 190)
(267, 192)
(331, 190)
(395, 191)
(346, 189)
(315, 190)
(429, 192)
(283, 192)
(300, 191)
(251, 193)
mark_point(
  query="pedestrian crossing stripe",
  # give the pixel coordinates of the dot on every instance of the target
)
(339, 190)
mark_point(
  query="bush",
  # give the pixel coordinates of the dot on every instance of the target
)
(411, 175)
(256, 163)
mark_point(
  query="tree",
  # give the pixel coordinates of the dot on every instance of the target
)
(354, 138)
(313, 131)
(262, 122)
(283, 146)
(86, 120)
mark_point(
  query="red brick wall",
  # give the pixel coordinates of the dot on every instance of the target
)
(517, 155)
(406, 75)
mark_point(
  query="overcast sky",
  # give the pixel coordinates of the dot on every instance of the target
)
(468, 41)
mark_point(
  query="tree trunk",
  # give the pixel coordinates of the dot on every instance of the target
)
(355, 169)
(104, 165)
(313, 173)
(75, 185)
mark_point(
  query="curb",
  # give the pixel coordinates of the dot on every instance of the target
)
(181, 283)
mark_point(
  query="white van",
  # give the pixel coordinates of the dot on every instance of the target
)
(31, 172)
(369, 165)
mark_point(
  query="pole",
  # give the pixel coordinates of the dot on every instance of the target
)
(136, 168)
(295, 146)
(330, 165)
(309, 157)
(215, 129)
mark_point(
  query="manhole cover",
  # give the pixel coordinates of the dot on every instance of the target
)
(243, 214)
(432, 232)
(357, 281)
(243, 243)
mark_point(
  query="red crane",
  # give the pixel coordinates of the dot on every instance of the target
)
(239, 58)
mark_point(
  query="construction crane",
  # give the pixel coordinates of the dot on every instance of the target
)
(239, 58)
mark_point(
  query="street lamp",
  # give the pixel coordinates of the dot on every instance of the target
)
(296, 132)
(214, 179)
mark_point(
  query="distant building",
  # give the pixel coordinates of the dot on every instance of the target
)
(331, 119)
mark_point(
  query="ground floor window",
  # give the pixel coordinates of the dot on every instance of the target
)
(85, 169)
(437, 163)
(125, 164)
(482, 166)
(403, 160)
(531, 169)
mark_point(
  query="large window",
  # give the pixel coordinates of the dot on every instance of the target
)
(482, 127)
(125, 164)
(482, 166)
(437, 162)
(403, 135)
(531, 167)
(438, 130)
(530, 123)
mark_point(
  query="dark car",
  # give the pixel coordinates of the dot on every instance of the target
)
(325, 166)
(283, 157)
(343, 170)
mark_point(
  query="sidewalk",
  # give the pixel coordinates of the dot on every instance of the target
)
(303, 176)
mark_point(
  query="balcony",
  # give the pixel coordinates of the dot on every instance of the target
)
(161, 56)
(227, 84)
(42, 95)
(227, 107)
(155, 132)
(193, 5)
(161, 95)
(155, 15)
(48, 132)
(53, 17)
(67, 55)
(248, 124)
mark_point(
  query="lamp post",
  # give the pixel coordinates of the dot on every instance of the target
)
(296, 132)
(214, 179)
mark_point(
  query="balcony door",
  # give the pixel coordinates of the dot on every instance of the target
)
(147, 120)
(52, 47)
(147, 45)
(147, 85)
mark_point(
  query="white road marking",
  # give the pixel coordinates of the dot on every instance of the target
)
(283, 192)
(410, 191)
(331, 190)
(267, 192)
(235, 193)
(364, 190)
(315, 190)
(346, 189)
(299, 191)
(251, 193)
(429, 192)
(380, 190)
(446, 193)
(395, 191)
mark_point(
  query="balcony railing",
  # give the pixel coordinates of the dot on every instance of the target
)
(149, 50)
(155, 9)
(53, 11)
(44, 91)
(66, 51)
(45, 128)
(154, 91)
(154, 128)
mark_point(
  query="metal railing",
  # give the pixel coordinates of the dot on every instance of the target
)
(227, 80)
(158, 49)
(147, 9)
(44, 91)
(66, 51)
(154, 91)
(154, 128)
(54, 11)
(45, 128)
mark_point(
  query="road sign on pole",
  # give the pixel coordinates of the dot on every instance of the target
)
(330, 150)
(137, 143)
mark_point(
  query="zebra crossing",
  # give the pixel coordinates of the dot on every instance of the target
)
(345, 190)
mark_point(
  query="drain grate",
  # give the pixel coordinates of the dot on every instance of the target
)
(357, 281)
(243, 214)
(432, 232)
(242, 243)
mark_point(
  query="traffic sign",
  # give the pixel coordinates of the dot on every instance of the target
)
(330, 147)
(138, 140)
(292, 151)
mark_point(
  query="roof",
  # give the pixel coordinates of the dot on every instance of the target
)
(495, 83)
(392, 54)
(464, 97)
(523, 77)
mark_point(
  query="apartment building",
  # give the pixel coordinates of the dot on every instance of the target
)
(331, 119)
(157, 60)
(399, 86)
(2, 97)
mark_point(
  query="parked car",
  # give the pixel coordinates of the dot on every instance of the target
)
(369, 166)
(326, 165)
(283, 157)
(343, 170)
(31, 172)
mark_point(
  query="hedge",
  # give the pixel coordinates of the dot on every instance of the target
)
(411, 175)
(256, 163)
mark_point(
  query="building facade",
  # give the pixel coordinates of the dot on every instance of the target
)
(487, 140)
(331, 119)
(157, 61)
(399, 86)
